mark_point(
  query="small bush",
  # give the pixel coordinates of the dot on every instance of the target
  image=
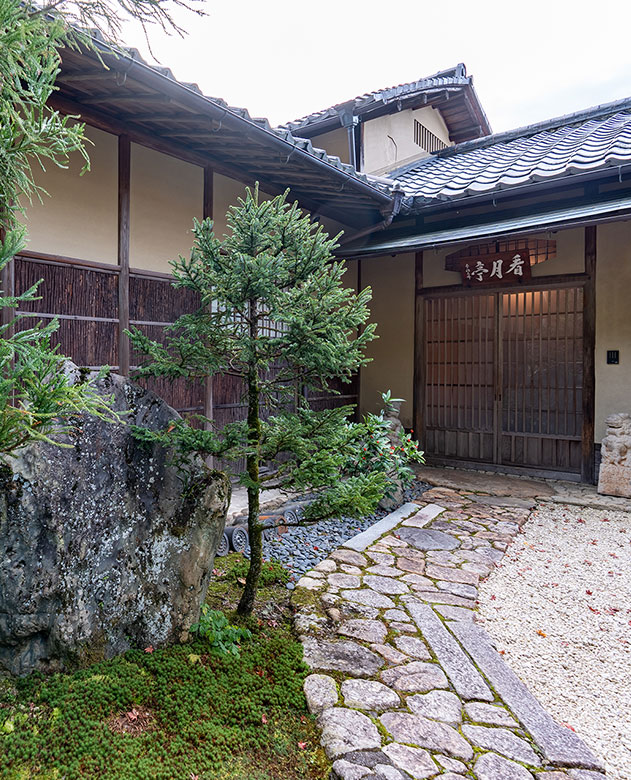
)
(224, 638)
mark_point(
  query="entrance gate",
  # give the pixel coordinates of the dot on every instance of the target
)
(504, 378)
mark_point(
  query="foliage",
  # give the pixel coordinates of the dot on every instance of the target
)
(38, 398)
(275, 313)
(223, 718)
(272, 572)
(223, 638)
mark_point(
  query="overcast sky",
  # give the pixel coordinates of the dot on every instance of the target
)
(531, 59)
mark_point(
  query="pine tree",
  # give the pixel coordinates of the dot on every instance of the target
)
(274, 312)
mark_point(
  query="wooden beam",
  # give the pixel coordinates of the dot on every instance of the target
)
(7, 282)
(418, 391)
(589, 371)
(124, 169)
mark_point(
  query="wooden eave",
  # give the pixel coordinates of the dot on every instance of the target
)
(124, 96)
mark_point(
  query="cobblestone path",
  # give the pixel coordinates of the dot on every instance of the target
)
(405, 683)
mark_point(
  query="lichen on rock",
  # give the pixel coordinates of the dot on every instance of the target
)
(102, 545)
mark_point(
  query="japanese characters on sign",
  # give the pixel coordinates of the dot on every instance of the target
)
(502, 268)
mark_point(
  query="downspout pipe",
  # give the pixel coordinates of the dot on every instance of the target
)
(389, 213)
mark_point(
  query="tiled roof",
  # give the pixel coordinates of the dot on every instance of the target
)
(453, 78)
(381, 185)
(574, 144)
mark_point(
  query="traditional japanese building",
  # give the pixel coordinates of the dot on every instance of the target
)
(500, 264)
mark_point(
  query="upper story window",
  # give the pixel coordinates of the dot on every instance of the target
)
(426, 139)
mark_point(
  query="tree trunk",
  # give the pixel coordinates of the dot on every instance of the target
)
(255, 530)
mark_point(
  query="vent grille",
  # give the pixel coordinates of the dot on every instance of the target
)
(426, 139)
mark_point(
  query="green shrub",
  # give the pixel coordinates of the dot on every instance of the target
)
(213, 626)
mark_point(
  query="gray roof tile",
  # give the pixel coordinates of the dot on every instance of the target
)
(579, 143)
(446, 79)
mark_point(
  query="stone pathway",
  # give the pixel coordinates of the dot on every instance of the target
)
(405, 683)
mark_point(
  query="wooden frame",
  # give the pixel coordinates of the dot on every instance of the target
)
(418, 390)
(589, 369)
(124, 174)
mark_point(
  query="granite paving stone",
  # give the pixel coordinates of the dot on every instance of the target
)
(384, 584)
(391, 654)
(413, 565)
(465, 678)
(490, 766)
(440, 597)
(349, 556)
(396, 614)
(451, 764)
(344, 730)
(320, 692)
(415, 673)
(397, 625)
(383, 570)
(437, 705)
(479, 712)
(501, 741)
(455, 613)
(339, 580)
(413, 646)
(416, 761)
(360, 628)
(342, 656)
(458, 588)
(451, 574)
(369, 695)
(426, 539)
(422, 732)
(368, 597)
(345, 770)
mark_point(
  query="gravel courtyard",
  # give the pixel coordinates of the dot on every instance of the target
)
(559, 607)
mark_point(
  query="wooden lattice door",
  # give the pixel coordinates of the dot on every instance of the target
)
(503, 378)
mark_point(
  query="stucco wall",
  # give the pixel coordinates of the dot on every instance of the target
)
(392, 308)
(166, 194)
(613, 321)
(334, 142)
(388, 141)
(80, 217)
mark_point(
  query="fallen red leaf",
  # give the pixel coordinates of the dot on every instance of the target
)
(589, 593)
(593, 609)
(541, 633)
(567, 726)
(149, 649)
(263, 718)
(302, 745)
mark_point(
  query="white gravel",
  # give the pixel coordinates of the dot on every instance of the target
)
(559, 606)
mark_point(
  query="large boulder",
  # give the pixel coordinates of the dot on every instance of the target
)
(103, 545)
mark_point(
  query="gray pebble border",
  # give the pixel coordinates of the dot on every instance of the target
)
(405, 684)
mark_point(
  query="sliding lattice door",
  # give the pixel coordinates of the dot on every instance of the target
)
(503, 378)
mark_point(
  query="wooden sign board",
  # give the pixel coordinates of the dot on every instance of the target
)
(511, 267)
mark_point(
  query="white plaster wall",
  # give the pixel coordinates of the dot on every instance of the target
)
(613, 321)
(80, 218)
(392, 308)
(388, 141)
(165, 195)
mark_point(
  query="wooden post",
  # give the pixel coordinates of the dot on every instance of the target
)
(124, 168)
(7, 282)
(589, 373)
(207, 213)
(418, 391)
(358, 409)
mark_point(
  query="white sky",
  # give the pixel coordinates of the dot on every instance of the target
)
(531, 59)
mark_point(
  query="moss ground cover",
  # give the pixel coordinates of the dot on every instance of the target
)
(181, 712)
